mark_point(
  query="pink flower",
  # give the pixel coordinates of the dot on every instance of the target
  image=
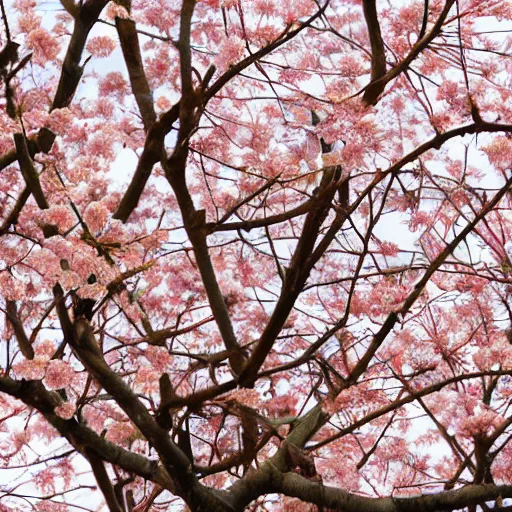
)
(499, 152)
(60, 216)
(160, 14)
(480, 423)
(96, 216)
(92, 291)
(10, 287)
(45, 349)
(34, 369)
(116, 11)
(59, 374)
(44, 45)
(120, 432)
(45, 480)
(29, 21)
(113, 83)
(51, 506)
(65, 411)
(158, 357)
(248, 397)
(101, 46)
(147, 379)
(230, 51)
(163, 103)
(388, 248)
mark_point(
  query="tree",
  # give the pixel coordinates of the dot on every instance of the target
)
(255, 255)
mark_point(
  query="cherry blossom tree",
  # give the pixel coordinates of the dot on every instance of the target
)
(255, 255)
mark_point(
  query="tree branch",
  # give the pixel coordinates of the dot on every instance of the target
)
(129, 39)
(393, 317)
(376, 41)
(177, 464)
(292, 484)
(151, 154)
(34, 394)
(375, 88)
(104, 483)
(29, 171)
(71, 68)
(19, 331)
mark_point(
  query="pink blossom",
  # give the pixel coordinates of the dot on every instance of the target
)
(60, 216)
(41, 429)
(105, 107)
(46, 263)
(11, 288)
(116, 11)
(95, 418)
(147, 379)
(45, 349)
(51, 506)
(120, 432)
(419, 218)
(70, 280)
(161, 15)
(265, 7)
(499, 152)
(65, 411)
(92, 291)
(113, 83)
(388, 248)
(158, 357)
(34, 369)
(44, 45)
(44, 480)
(59, 374)
(96, 216)
(163, 103)
(29, 21)
(230, 51)
(481, 422)
(101, 46)
(248, 397)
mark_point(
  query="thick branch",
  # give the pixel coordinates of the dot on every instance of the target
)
(376, 41)
(194, 223)
(104, 483)
(41, 143)
(179, 467)
(376, 87)
(188, 102)
(295, 277)
(247, 225)
(71, 68)
(12, 218)
(129, 39)
(19, 330)
(151, 154)
(29, 171)
(292, 484)
(34, 394)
